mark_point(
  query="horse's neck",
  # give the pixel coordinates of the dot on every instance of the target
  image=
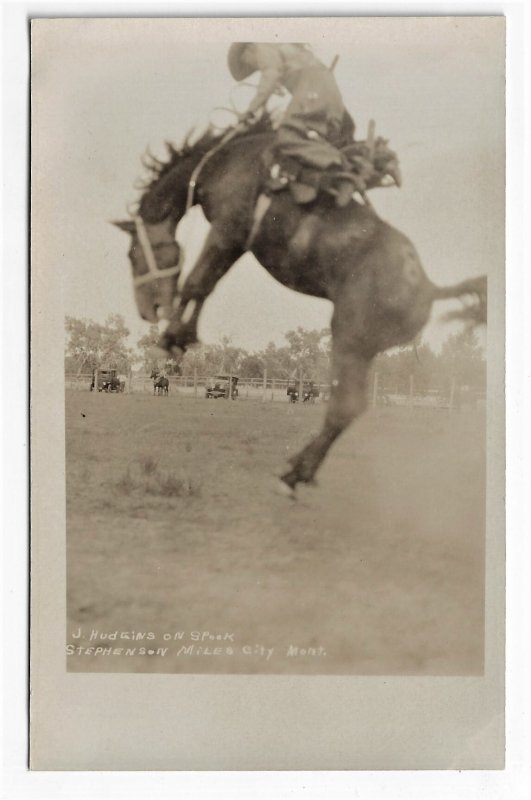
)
(167, 198)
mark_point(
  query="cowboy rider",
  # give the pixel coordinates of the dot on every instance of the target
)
(315, 122)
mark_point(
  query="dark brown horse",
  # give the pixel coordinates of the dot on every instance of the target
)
(369, 270)
(161, 384)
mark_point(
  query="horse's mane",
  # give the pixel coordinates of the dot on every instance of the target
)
(158, 169)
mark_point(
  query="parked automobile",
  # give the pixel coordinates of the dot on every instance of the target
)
(218, 386)
(108, 381)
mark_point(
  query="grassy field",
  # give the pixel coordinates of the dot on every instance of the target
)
(175, 536)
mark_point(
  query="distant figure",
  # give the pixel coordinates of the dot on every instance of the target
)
(161, 384)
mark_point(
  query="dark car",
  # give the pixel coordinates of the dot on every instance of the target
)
(108, 381)
(219, 387)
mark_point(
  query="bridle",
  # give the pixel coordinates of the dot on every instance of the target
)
(154, 272)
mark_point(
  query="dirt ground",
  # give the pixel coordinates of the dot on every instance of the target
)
(181, 558)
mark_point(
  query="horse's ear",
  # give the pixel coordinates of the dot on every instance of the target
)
(125, 225)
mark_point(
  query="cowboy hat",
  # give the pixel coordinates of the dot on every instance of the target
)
(239, 69)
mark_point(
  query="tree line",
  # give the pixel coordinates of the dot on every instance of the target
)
(461, 361)
(91, 344)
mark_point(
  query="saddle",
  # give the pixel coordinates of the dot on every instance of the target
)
(362, 168)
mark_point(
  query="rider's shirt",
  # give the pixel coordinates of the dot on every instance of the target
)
(310, 83)
(316, 112)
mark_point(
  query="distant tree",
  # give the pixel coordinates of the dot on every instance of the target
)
(276, 360)
(462, 359)
(397, 368)
(231, 357)
(147, 359)
(201, 357)
(309, 351)
(252, 366)
(213, 359)
(145, 344)
(90, 344)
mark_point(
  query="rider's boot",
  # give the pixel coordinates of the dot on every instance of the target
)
(343, 191)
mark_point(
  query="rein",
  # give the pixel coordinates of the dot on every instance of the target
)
(154, 272)
(208, 155)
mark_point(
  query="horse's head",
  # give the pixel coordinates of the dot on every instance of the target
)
(155, 259)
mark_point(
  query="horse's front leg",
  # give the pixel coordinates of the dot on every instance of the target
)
(216, 258)
(348, 399)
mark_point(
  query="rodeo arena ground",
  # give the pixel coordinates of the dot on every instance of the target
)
(369, 573)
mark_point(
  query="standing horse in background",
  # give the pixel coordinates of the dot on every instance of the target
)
(369, 270)
(161, 384)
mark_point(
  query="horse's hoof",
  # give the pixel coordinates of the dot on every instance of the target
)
(282, 488)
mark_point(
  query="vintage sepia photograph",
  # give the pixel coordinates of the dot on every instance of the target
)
(268, 336)
(275, 259)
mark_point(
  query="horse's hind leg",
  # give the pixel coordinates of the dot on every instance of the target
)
(348, 399)
(216, 258)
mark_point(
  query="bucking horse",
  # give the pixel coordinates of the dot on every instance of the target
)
(369, 270)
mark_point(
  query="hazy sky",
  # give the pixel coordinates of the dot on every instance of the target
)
(106, 89)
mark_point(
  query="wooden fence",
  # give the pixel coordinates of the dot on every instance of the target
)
(263, 389)
(267, 389)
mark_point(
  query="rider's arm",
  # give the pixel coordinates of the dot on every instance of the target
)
(270, 64)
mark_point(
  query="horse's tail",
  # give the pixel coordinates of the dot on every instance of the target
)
(474, 313)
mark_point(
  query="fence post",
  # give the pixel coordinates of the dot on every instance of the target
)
(195, 381)
(96, 375)
(301, 385)
(130, 382)
(411, 387)
(272, 390)
(375, 390)
(264, 388)
(229, 395)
